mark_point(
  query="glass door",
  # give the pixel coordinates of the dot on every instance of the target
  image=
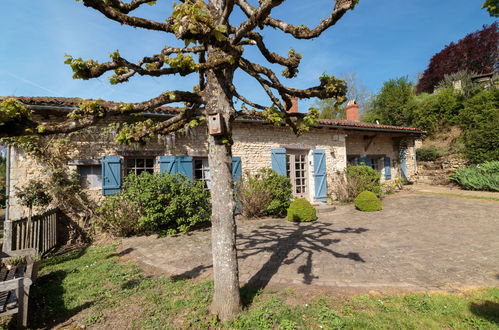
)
(296, 170)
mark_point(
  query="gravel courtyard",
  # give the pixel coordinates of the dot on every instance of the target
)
(418, 242)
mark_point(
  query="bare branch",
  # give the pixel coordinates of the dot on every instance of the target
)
(257, 17)
(321, 91)
(303, 32)
(125, 8)
(118, 16)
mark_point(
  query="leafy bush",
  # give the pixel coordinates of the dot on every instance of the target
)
(265, 193)
(479, 119)
(478, 177)
(119, 217)
(301, 210)
(356, 179)
(367, 202)
(428, 154)
(165, 204)
(362, 178)
(430, 112)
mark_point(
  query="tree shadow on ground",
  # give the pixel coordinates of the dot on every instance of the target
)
(291, 244)
(47, 306)
(489, 311)
(46, 302)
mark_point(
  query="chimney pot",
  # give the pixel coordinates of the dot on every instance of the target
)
(294, 105)
(352, 111)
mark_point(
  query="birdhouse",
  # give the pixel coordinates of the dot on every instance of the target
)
(215, 124)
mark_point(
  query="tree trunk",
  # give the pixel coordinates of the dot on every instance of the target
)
(226, 301)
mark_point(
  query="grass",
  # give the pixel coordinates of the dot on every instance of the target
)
(460, 195)
(94, 288)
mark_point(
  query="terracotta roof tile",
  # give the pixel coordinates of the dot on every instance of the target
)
(73, 101)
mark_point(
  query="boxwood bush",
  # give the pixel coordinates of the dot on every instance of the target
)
(301, 210)
(478, 177)
(160, 203)
(367, 202)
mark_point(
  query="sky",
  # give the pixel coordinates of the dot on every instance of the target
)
(379, 40)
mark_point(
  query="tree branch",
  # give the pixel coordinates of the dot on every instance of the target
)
(120, 17)
(303, 32)
(257, 17)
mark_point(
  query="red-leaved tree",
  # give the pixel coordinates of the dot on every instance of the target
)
(477, 52)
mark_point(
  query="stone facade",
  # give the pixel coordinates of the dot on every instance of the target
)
(253, 142)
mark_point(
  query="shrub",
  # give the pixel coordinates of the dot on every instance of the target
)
(433, 111)
(478, 177)
(301, 210)
(367, 202)
(165, 204)
(362, 178)
(118, 217)
(265, 193)
(479, 120)
(428, 154)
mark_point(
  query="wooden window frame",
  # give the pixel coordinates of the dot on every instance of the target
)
(291, 172)
(202, 170)
(136, 168)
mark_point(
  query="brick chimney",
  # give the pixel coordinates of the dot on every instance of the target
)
(294, 105)
(352, 111)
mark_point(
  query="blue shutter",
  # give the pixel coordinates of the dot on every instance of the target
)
(236, 169)
(236, 177)
(320, 175)
(403, 161)
(388, 168)
(111, 175)
(367, 161)
(403, 167)
(167, 164)
(279, 160)
(184, 166)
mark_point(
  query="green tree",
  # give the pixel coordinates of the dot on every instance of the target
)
(214, 50)
(492, 7)
(393, 105)
(479, 120)
(356, 90)
(431, 112)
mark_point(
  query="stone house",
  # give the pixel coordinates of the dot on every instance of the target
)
(313, 161)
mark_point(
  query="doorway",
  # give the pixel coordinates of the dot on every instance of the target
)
(296, 170)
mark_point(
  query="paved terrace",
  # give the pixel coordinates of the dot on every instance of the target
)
(418, 242)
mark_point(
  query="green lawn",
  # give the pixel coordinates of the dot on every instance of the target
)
(92, 287)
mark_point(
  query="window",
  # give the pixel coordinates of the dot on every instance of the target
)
(202, 171)
(376, 164)
(139, 165)
(296, 170)
(353, 159)
(90, 176)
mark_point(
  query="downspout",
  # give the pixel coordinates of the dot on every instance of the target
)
(7, 225)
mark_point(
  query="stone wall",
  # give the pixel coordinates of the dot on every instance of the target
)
(383, 145)
(252, 142)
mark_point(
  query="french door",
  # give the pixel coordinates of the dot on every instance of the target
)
(296, 170)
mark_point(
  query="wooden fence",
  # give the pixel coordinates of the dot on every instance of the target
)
(40, 234)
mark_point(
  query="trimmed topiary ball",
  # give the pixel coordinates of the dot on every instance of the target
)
(367, 202)
(301, 210)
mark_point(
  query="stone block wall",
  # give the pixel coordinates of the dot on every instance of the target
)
(383, 145)
(253, 142)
